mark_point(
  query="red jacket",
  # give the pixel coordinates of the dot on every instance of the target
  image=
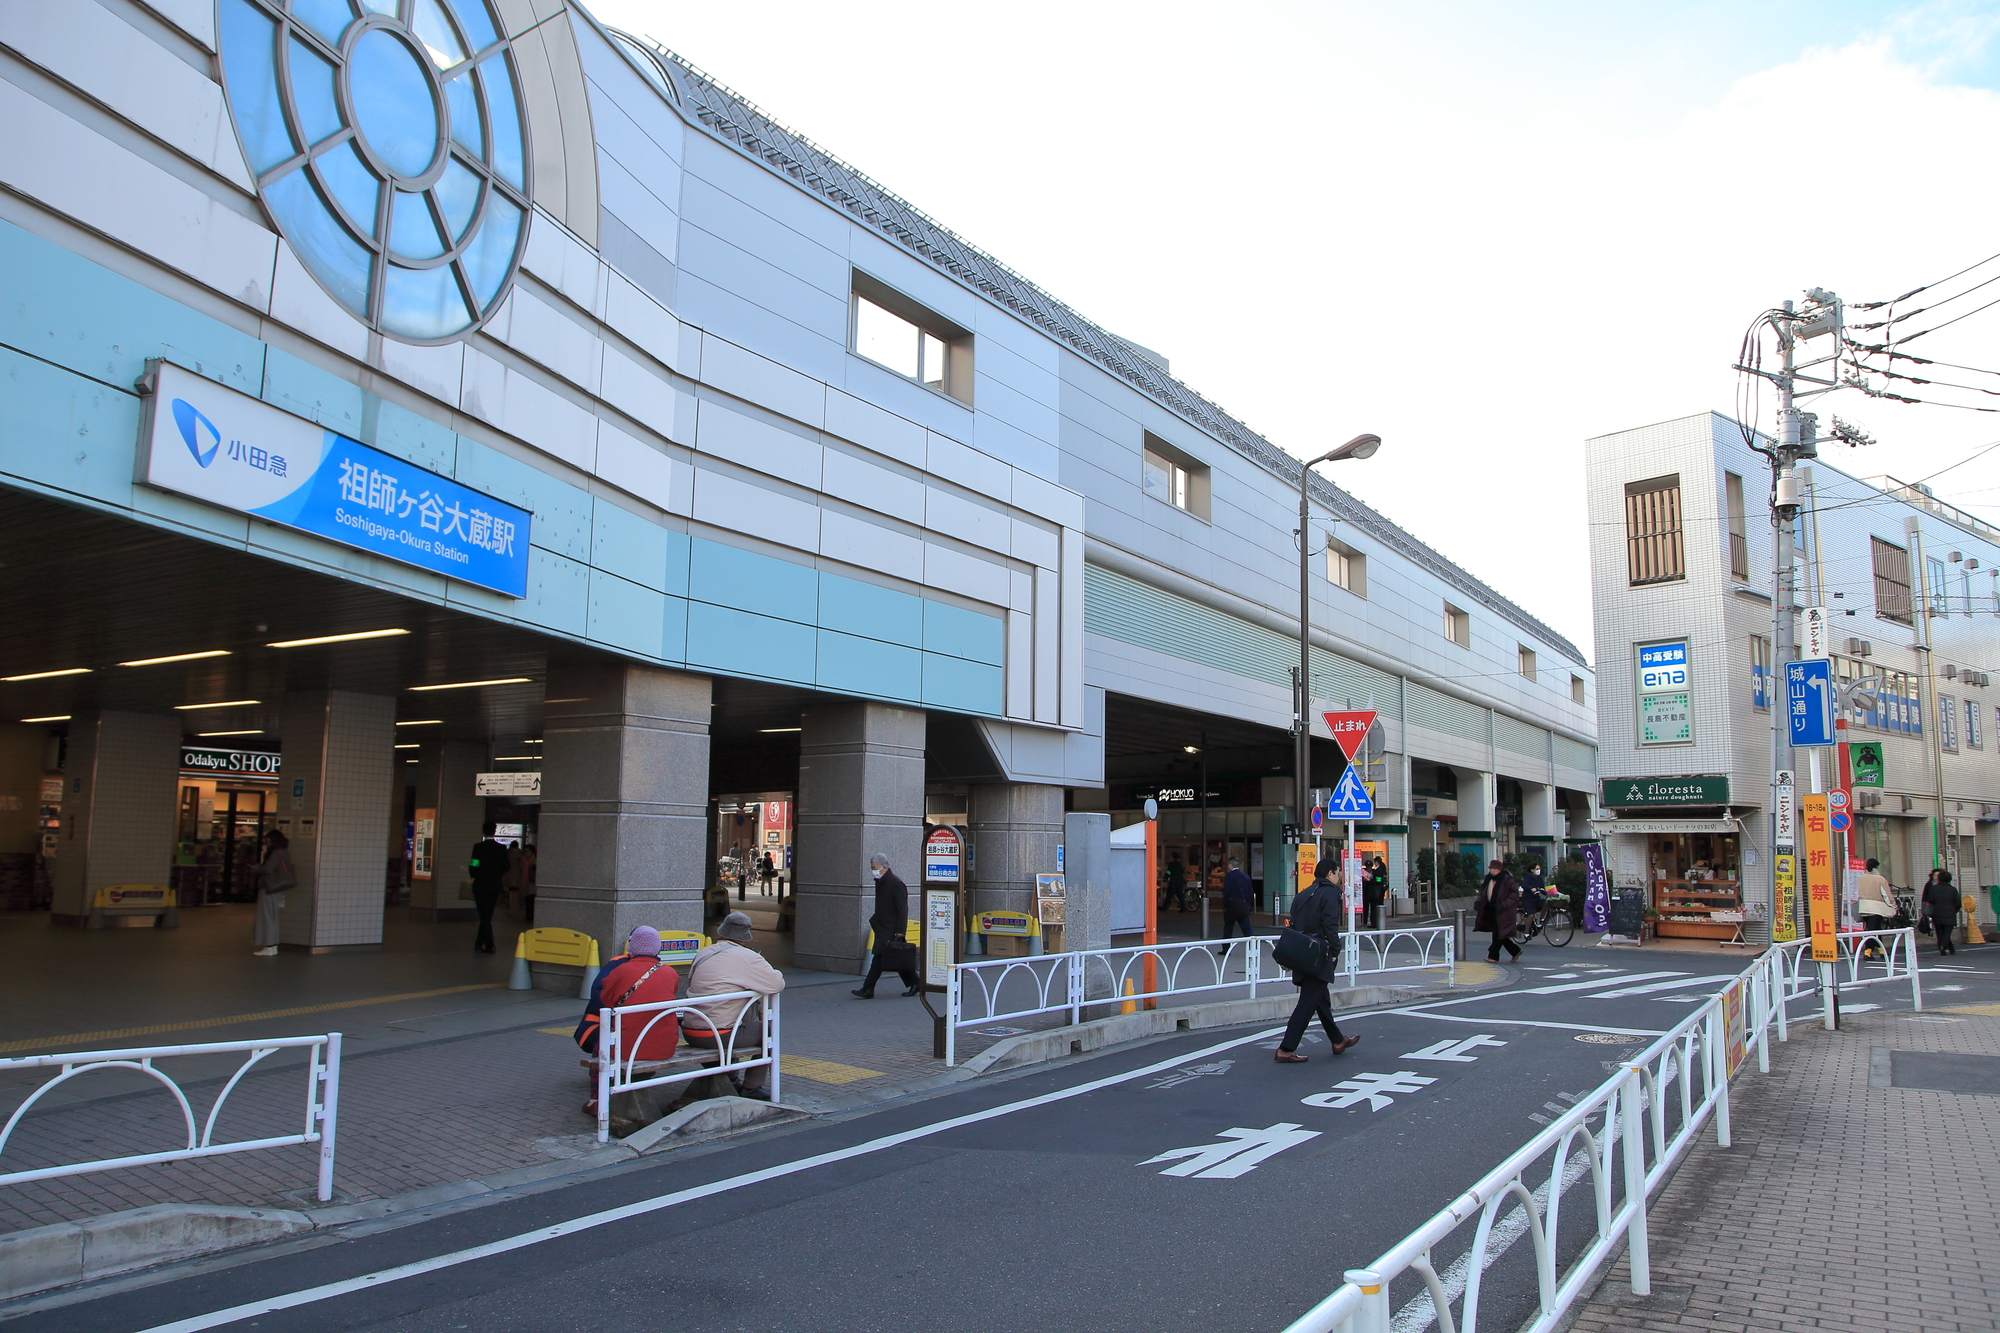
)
(663, 984)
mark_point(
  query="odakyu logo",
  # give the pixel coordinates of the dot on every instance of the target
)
(390, 149)
(203, 439)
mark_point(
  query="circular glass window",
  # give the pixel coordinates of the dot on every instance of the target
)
(388, 142)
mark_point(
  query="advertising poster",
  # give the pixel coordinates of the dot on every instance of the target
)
(1733, 1043)
(1784, 898)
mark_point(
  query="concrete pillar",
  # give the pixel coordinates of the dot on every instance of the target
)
(624, 820)
(1538, 815)
(121, 791)
(337, 757)
(1087, 880)
(1015, 829)
(1476, 792)
(446, 783)
(861, 791)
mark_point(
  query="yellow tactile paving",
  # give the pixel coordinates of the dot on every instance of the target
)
(825, 1071)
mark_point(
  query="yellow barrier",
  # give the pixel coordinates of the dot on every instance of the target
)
(553, 944)
(154, 900)
(913, 932)
(680, 946)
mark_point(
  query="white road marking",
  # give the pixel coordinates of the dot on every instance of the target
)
(1378, 1090)
(1682, 984)
(1531, 1023)
(382, 1277)
(1245, 1152)
(1454, 1052)
(1597, 981)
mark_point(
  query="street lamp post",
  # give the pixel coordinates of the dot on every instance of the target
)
(1361, 446)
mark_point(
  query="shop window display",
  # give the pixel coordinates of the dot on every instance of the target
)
(390, 149)
(1695, 877)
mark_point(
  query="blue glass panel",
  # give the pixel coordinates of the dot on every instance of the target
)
(392, 100)
(411, 231)
(328, 18)
(248, 44)
(477, 23)
(508, 152)
(422, 302)
(457, 194)
(380, 6)
(435, 31)
(352, 183)
(312, 93)
(335, 257)
(491, 253)
(463, 101)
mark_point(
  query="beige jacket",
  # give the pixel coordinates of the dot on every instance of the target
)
(726, 966)
(1877, 898)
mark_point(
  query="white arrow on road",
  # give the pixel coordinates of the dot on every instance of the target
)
(1454, 1051)
(1245, 1151)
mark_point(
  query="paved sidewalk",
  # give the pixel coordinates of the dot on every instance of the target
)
(447, 1076)
(1845, 1203)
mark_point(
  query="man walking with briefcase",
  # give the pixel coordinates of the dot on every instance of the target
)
(891, 920)
(1311, 949)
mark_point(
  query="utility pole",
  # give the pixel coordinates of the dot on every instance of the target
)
(1920, 580)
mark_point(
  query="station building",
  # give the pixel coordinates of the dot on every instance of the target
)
(426, 412)
(1681, 573)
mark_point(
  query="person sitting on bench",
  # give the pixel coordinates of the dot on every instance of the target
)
(730, 964)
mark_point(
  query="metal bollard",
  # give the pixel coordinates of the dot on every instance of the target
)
(1460, 937)
(1204, 913)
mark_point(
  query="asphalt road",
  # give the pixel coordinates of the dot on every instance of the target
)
(1189, 1181)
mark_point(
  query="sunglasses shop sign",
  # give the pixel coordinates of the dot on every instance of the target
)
(229, 449)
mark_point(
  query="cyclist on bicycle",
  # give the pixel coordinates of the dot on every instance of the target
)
(1533, 885)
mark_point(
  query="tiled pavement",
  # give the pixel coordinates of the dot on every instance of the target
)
(1841, 1206)
(447, 1076)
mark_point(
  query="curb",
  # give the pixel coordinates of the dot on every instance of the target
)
(65, 1252)
(41, 1259)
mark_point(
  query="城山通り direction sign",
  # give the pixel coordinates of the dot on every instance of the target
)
(229, 449)
(1809, 702)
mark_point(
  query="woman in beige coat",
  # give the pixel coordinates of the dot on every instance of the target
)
(1878, 905)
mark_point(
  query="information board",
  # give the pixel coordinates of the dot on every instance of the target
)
(1627, 911)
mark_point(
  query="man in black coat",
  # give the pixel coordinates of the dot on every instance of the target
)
(488, 867)
(1316, 912)
(1941, 904)
(891, 920)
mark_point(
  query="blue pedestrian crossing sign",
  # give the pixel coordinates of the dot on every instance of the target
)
(1350, 799)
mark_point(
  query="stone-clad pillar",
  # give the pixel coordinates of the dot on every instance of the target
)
(338, 756)
(624, 804)
(120, 794)
(861, 791)
(1016, 827)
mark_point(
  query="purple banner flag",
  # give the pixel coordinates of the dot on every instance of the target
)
(1597, 890)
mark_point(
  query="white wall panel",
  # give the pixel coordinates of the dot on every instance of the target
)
(635, 466)
(436, 371)
(758, 444)
(565, 263)
(967, 575)
(856, 541)
(760, 380)
(299, 302)
(549, 338)
(508, 400)
(637, 317)
(881, 489)
(724, 502)
(874, 428)
(956, 516)
(648, 397)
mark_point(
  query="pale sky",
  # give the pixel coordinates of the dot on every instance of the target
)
(1483, 231)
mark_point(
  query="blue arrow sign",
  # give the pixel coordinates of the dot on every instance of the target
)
(1350, 799)
(1809, 701)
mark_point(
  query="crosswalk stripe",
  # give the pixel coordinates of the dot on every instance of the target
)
(1600, 981)
(1658, 985)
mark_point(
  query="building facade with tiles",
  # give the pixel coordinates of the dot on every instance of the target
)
(1681, 576)
(663, 456)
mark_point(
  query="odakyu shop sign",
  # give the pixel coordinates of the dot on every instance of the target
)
(212, 443)
(229, 763)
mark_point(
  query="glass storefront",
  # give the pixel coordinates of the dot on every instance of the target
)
(219, 838)
(1695, 876)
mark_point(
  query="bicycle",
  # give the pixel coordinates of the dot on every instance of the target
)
(1552, 923)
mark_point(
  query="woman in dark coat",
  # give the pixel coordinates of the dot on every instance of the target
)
(1498, 910)
(1941, 906)
(1316, 912)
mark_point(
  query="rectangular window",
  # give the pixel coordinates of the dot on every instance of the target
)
(1892, 581)
(1972, 711)
(1525, 658)
(1948, 721)
(1653, 550)
(1168, 474)
(1760, 672)
(1739, 538)
(1576, 689)
(1347, 568)
(901, 336)
(1457, 626)
(1940, 600)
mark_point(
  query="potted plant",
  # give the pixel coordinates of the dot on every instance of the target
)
(1648, 915)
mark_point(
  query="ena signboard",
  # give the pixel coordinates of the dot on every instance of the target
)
(229, 449)
(1666, 713)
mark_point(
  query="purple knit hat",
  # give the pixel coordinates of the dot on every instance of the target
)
(645, 943)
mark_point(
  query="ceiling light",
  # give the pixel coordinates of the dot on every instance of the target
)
(63, 718)
(413, 761)
(508, 758)
(1192, 749)
(226, 703)
(338, 638)
(769, 731)
(423, 722)
(177, 657)
(230, 733)
(45, 675)
(474, 684)
(412, 745)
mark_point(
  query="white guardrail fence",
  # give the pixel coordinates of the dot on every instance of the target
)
(322, 1101)
(1623, 1139)
(750, 1043)
(996, 990)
